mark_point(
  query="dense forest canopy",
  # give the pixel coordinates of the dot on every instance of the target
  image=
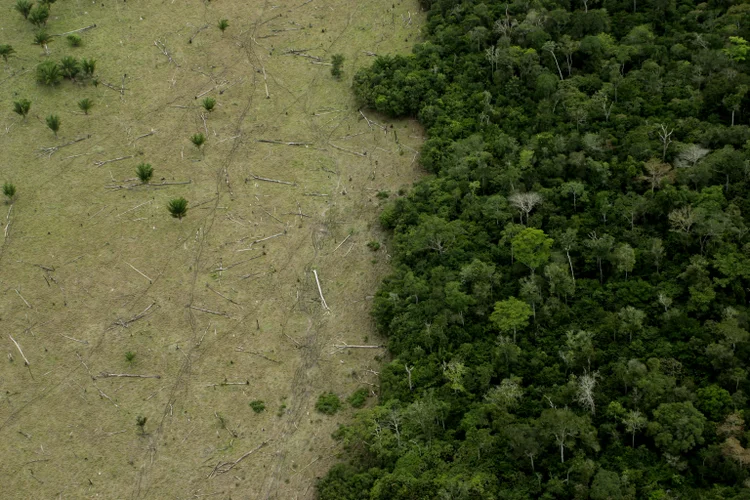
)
(567, 313)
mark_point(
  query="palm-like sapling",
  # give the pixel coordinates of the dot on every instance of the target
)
(9, 190)
(70, 67)
(85, 105)
(223, 25)
(48, 73)
(198, 140)
(208, 103)
(6, 51)
(53, 122)
(23, 7)
(43, 38)
(144, 171)
(178, 207)
(22, 107)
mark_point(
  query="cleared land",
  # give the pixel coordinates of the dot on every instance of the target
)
(222, 308)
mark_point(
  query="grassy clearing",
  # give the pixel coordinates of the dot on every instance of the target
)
(223, 305)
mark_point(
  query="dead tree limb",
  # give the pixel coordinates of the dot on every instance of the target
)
(125, 375)
(19, 350)
(163, 48)
(79, 30)
(125, 323)
(217, 313)
(224, 467)
(339, 245)
(54, 149)
(320, 291)
(255, 353)
(346, 150)
(270, 141)
(143, 136)
(24, 300)
(104, 162)
(205, 26)
(344, 345)
(223, 296)
(266, 179)
(139, 272)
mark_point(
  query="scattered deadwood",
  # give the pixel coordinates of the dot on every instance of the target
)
(163, 48)
(320, 291)
(139, 272)
(339, 245)
(223, 296)
(344, 345)
(370, 123)
(262, 239)
(302, 53)
(115, 187)
(125, 375)
(149, 134)
(205, 26)
(270, 141)
(265, 81)
(246, 382)
(24, 300)
(256, 353)
(266, 179)
(121, 89)
(76, 340)
(54, 149)
(7, 220)
(104, 162)
(125, 323)
(371, 54)
(224, 467)
(347, 150)
(217, 313)
(26, 361)
(79, 30)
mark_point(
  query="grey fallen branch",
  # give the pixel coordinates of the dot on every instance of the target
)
(104, 162)
(270, 141)
(224, 467)
(125, 323)
(266, 179)
(301, 53)
(124, 375)
(149, 134)
(320, 291)
(54, 149)
(79, 30)
(150, 184)
(19, 350)
(255, 353)
(205, 26)
(217, 313)
(347, 150)
(163, 48)
(344, 345)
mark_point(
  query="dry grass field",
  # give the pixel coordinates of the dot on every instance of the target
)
(221, 308)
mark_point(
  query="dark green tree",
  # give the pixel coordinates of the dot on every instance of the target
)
(53, 122)
(6, 51)
(178, 208)
(22, 107)
(23, 7)
(337, 61)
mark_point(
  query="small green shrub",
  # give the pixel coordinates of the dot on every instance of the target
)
(70, 67)
(43, 39)
(53, 122)
(257, 405)
(140, 421)
(358, 398)
(198, 140)
(178, 207)
(281, 411)
(6, 51)
(88, 66)
(23, 7)
(328, 403)
(130, 357)
(48, 73)
(9, 190)
(144, 171)
(38, 15)
(223, 25)
(338, 62)
(208, 103)
(85, 105)
(22, 107)
(374, 245)
(383, 195)
(74, 40)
